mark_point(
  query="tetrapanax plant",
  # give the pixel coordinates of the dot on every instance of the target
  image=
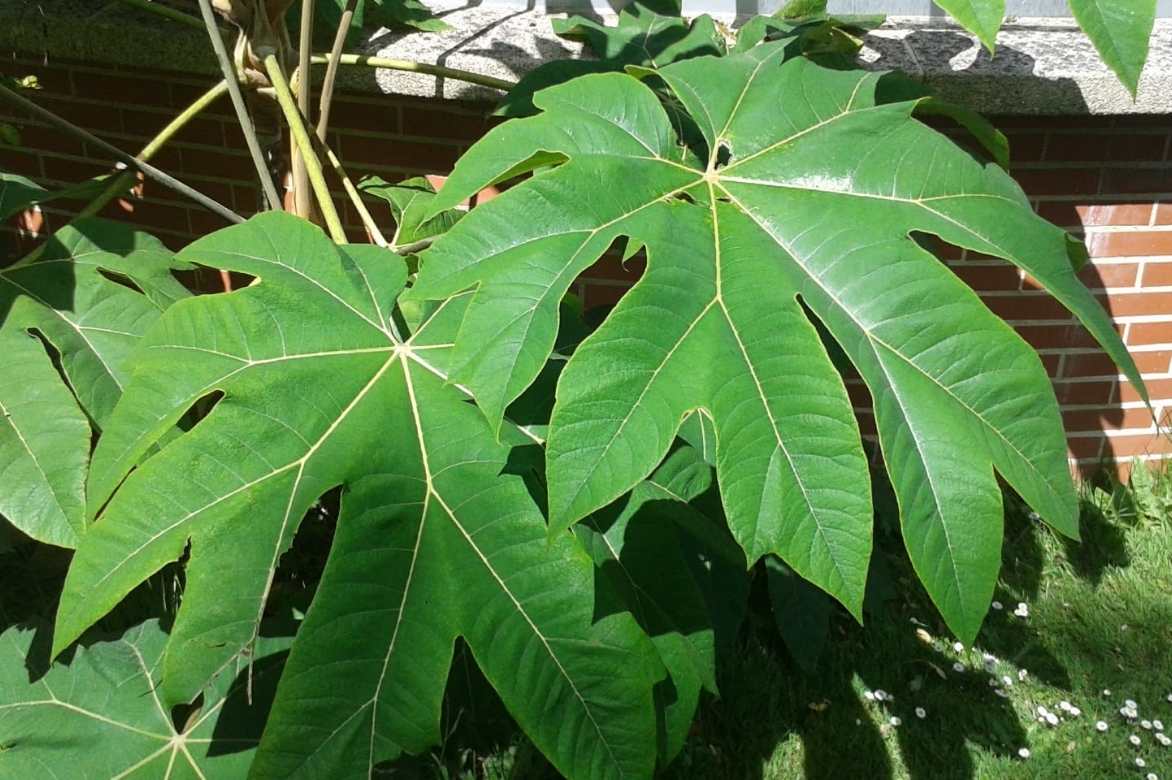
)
(798, 211)
(782, 205)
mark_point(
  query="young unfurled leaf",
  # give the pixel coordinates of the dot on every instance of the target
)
(98, 714)
(804, 209)
(410, 202)
(320, 389)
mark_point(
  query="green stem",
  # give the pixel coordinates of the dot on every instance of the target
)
(163, 10)
(417, 67)
(305, 147)
(246, 126)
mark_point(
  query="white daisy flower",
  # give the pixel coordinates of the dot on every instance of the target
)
(1052, 719)
(895, 721)
(1064, 705)
(958, 667)
(921, 713)
(996, 605)
(1158, 725)
(869, 695)
(1134, 740)
(1140, 762)
(1146, 725)
(1106, 691)
(1101, 725)
(1007, 681)
(1130, 704)
(1001, 693)
(958, 647)
(1023, 610)
(1023, 752)
(881, 695)
(1151, 776)
(1022, 674)
(1075, 712)
(988, 659)
(1163, 739)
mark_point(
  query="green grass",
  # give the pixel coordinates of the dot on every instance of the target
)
(1100, 618)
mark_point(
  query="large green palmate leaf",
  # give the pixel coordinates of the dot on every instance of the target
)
(319, 390)
(99, 716)
(90, 295)
(803, 209)
(680, 574)
(1121, 31)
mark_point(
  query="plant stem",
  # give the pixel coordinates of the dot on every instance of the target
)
(301, 198)
(148, 170)
(376, 235)
(417, 67)
(305, 146)
(163, 10)
(246, 126)
(327, 87)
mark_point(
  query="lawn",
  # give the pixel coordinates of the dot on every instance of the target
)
(1096, 631)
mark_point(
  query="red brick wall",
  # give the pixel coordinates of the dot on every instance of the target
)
(1108, 179)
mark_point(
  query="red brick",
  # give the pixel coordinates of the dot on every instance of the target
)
(1062, 181)
(59, 169)
(1139, 244)
(430, 158)
(1089, 365)
(1084, 393)
(150, 214)
(380, 117)
(20, 162)
(1158, 389)
(1084, 447)
(1058, 336)
(1026, 147)
(1140, 304)
(1026, 307)
(1150, 333)
(1157, 274)
(1107, 419)
(441, 124)
(1109, 275)
(119, 88)
(220, 164)
(1100, 214)
(95, 117)
(1134, 446)
(602, 294)
(1138, 147)
(1080, 147)
(1146, 180)
(1164, 214)
(993, 278)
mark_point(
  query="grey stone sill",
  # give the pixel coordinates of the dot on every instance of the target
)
(1042, 66)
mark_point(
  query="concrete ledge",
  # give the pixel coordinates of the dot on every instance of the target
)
(1042, 66)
